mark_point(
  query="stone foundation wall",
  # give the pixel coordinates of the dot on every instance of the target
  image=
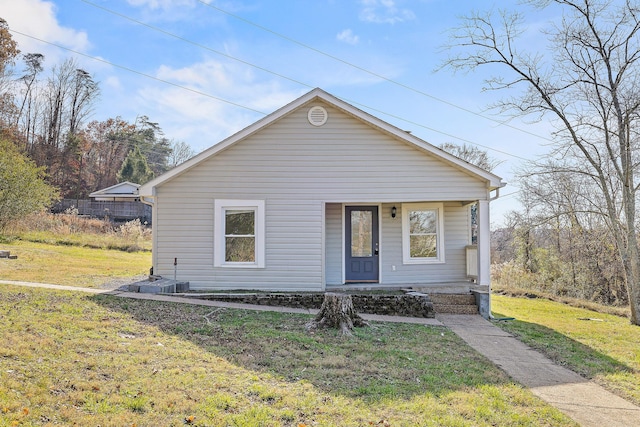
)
(412, 304)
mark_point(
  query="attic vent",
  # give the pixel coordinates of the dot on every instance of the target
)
(317, 116)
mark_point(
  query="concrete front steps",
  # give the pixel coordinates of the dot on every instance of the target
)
(447, 303)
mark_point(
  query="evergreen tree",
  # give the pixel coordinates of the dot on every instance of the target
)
(135, 168)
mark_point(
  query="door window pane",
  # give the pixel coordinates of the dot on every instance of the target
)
(361, 233)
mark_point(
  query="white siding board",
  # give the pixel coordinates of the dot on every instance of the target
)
(295, 167)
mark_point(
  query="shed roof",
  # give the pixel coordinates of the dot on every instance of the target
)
(122, 189)
(493, 181)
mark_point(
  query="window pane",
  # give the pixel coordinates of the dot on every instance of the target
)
(240, 249)
(239, 223)
(423, 246)
(361, 229)
(422, 222)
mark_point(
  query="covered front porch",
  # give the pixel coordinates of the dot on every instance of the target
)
(426, 245)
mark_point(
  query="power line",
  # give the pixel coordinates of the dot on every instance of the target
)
(201, 46)
(131, 70)
(372, 73)
(183, 39)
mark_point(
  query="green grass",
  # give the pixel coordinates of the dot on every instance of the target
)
(599, 346)
(70, 265)
(69, 359)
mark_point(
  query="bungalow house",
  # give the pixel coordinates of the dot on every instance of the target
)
(119, 202)
(321, 195)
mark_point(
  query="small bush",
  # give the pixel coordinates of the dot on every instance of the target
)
(134, 230)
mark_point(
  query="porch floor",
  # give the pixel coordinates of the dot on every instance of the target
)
(460, 287)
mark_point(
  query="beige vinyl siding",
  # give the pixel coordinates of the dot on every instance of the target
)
(296, 167)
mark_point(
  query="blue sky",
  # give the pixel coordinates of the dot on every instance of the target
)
(257, 55)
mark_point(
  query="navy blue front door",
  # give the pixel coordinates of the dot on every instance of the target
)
(362, 245)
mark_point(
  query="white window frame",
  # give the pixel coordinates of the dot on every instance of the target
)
(220, 208)
(407, 208)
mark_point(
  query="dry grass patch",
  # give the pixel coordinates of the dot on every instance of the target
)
(67, 359)
(69, 229)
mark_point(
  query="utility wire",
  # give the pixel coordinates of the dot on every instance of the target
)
(131, 70)
(252, 109)
(201, 46)
(160, 30)
(372, 73)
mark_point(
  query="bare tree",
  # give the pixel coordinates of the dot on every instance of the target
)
(589, 88)
(26, 118)
(84, 92)
(180, 152)
(471, 154)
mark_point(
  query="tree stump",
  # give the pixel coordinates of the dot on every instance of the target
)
(337, 312)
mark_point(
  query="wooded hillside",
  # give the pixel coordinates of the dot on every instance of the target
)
(46, 113)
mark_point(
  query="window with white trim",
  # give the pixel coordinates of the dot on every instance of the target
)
(422, 233)
(239, 233)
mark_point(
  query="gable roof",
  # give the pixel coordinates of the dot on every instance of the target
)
(122, 189)
(492, 180)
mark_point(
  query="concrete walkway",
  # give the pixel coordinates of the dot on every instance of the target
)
(584, 401)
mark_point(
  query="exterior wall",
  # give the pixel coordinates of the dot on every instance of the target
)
(456, 229)
(456, 236)
(297, 168)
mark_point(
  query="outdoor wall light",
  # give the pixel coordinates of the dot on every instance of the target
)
(393, 212)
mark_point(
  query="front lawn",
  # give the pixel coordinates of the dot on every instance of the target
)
(69, 359)
(70, 265)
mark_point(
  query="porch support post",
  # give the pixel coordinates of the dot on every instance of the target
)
(483, 298)
(484, 244)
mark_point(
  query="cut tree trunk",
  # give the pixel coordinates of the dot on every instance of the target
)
(337, 312)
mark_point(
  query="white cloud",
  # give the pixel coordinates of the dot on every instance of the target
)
(113, 83)
(384, 12)
(347, 36)
(202, 120)
(37, 18)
